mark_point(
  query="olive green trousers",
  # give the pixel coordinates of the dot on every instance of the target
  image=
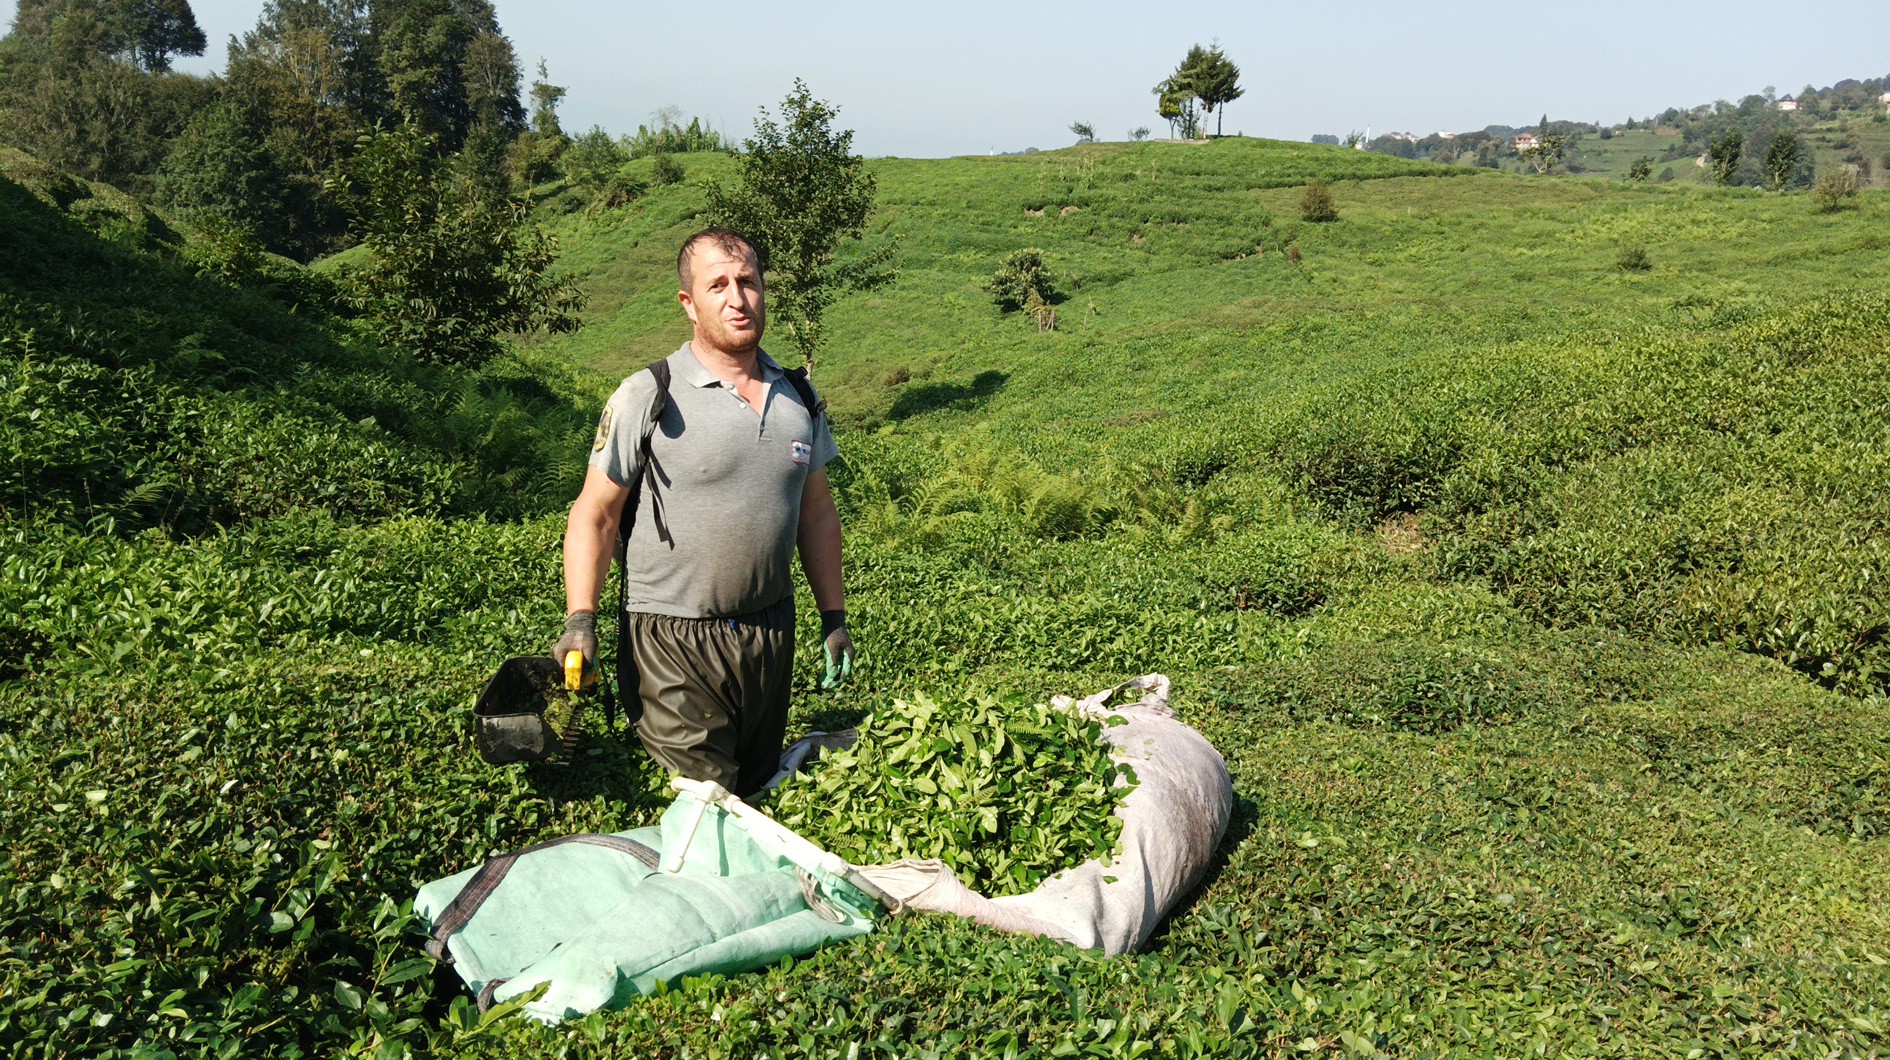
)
(715, 693)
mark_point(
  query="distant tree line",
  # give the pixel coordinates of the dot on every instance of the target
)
(88, 86)
(1752, 143)
(398, 124)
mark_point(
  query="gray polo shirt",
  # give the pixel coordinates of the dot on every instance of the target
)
(715, 538)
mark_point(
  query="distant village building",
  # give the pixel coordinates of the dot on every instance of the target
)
(1884, 99)
(1526, 142)
(1788, 103)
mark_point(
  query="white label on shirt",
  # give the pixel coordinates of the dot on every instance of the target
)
(803, 452)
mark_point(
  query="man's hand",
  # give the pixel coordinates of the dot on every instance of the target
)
(580, 634)
(833, 634)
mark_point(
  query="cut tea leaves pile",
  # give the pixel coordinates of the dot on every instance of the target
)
(1005, 791)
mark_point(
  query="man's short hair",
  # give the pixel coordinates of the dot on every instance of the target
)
(726, 240)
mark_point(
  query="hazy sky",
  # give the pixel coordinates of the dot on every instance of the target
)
(975, 76)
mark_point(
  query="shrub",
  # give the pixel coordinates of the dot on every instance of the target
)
(1410, 686)
(1022, 276)
(1836, 190)
(592, 158)
(1633, 258)
(533, 158)
(666, 170)
(619, 189)
(1316, 204)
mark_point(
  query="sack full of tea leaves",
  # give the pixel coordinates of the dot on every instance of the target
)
(1170, 823)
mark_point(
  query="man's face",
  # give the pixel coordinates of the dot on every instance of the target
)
(725, 300)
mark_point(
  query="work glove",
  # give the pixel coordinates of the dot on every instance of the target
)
(833, 635)
(580, 634)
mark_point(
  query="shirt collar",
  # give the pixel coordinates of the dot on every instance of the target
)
(697, 374)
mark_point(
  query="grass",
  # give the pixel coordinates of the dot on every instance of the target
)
(1464, 545)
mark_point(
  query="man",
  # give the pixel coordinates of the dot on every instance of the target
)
(735, 483)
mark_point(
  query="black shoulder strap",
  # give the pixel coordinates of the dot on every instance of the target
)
(797, 378)
(658, 402)
(659, 372)
(628, 680)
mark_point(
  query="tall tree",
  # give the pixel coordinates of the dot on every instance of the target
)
(74, 92)
(1177, 102)
(452, 269)
(304, 81)
(447, 68)
(1781, 158)
(160, 29)
(142, 33)
(1722, 154)
(545, 99)
(1215, 78)
(803, 194)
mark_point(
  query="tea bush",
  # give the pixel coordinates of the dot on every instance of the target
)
(1527, 768)
(135, 387)
(1660, 485)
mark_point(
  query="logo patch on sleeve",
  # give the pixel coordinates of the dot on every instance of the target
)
(603, 431)
(803, 452)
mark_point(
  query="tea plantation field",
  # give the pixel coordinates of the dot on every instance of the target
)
(1536, 604)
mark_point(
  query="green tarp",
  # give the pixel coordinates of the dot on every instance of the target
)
(595, 919)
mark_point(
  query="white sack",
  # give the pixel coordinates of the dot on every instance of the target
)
(1171, 824)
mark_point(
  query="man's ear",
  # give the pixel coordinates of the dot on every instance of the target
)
(688, 305)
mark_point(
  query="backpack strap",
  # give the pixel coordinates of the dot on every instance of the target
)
(658, 402)
(628, 680)
(816, 405)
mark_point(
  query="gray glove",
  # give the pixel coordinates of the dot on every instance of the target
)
(580, 634)
(833, 635)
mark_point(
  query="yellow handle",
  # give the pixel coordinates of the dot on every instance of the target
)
(573, 670)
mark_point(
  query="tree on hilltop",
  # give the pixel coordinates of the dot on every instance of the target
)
(1205, 81)
(1177, 102)
(1215, 78)
(80, 85)
(801, 194)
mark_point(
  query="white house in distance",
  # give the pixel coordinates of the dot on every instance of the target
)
(1788, 103)
(1526, 142)
(1884, 99)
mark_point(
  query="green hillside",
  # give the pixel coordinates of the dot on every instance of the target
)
(1614, 156)
(1535, 602)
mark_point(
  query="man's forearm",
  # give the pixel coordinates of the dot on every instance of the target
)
(588, 537)
(818, 539)
(820, 559)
